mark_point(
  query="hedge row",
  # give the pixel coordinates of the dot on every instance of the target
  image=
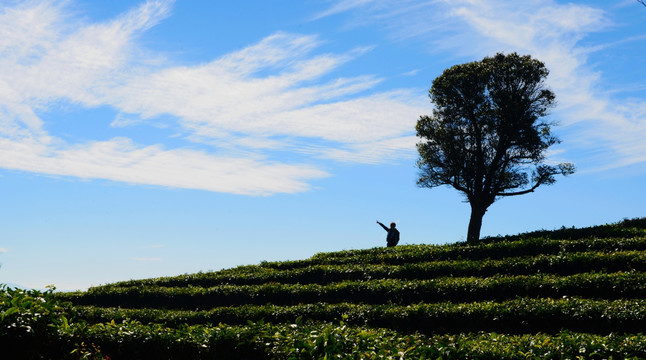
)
(33, 325)
(133, 340)
(525, 315)
(406, 255)
(561, 264)
(456, 289)
(626, 228)
(497, 250)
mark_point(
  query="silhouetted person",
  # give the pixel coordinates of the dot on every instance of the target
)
(393, 234)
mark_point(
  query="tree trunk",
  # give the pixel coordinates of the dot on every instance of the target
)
(475, 222)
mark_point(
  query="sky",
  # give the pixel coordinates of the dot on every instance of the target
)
(142, 139)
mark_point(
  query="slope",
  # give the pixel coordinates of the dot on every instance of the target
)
(546, 294)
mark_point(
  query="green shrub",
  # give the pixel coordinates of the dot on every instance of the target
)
(522, 315)
(557, 256)
(561, 264)
(132, 340)
(28, 318)
(457, 289)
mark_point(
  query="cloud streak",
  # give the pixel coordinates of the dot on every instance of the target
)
(230, 112)
(120, 160)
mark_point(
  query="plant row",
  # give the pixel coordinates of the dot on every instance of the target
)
(35, 325)
(561, 264)
(457, 289)
(626, 228)
(524, 315)
(411, 254)
(133, 340)
(479, 251)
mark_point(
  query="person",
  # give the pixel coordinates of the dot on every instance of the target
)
(393, 234)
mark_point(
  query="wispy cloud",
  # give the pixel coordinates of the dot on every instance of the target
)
(120, 160)
(411, 73)
(224, 97)
(269, 96)
(608, 128)
(3, 250)
(342, 6)
(552, 33)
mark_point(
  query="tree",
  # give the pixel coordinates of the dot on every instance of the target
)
(486, 136)
(642, 2)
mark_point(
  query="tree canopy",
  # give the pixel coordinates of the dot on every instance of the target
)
(487, 135)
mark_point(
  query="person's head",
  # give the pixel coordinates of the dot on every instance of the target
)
(392, 225)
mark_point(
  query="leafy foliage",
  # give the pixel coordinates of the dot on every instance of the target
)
(28, 319)
(558, 263)
(499, 287)
(520, 315)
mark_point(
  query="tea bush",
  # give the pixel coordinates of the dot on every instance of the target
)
(381, 291)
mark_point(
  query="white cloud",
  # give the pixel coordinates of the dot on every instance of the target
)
(3, 250)
(551, 32)
(223, 97)
(342, 6)
(58, 60)
(374, 152)
(120, 160)
(267, 96)
(411, 73)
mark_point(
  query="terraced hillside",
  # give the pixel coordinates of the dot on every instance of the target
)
(569, 293)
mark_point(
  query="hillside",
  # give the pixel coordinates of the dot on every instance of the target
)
(567, 293)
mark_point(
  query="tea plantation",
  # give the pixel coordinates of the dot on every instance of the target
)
(562, 294)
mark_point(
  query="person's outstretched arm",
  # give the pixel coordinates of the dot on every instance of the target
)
(383, 226)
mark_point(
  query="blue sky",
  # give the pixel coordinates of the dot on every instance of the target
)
(157, 138)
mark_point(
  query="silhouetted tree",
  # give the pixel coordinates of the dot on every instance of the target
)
(486, 137)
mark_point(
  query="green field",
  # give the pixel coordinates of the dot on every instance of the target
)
(562, 294)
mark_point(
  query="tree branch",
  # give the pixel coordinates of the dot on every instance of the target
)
(539, 182)
(519, 192)
(642, 2)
